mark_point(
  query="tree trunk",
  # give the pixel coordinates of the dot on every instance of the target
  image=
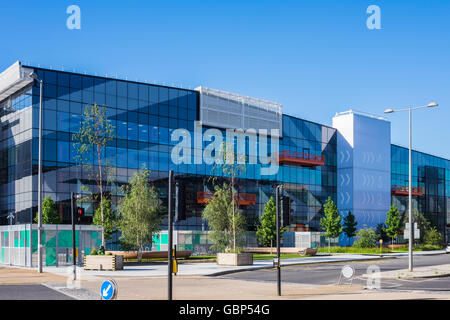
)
(234, 229)
(271, 246)
(139, 250)
(100, 170)
(329, 246)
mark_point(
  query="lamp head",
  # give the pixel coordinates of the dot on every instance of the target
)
(432, 105)
(388, 111)
(33, 75)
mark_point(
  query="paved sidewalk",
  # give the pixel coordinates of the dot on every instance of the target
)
(209, 269)
(27, 276)
(418, 272)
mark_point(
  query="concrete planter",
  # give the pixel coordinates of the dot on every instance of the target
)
(103, 262)
(235, 259)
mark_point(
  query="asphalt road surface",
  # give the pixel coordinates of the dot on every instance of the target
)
(30, 292)
(328, 274)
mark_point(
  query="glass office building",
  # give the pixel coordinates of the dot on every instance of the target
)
(144, 117)
(430, 182)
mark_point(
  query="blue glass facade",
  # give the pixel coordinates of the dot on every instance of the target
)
(431, 175)
(144, 117)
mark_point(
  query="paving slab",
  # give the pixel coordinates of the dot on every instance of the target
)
(419, 272)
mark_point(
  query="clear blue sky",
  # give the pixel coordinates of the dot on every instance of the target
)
(314, 57)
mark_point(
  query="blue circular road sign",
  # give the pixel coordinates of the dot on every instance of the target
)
(108, 290)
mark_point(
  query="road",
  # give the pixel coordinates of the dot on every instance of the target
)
(30, 292)
(328, 274)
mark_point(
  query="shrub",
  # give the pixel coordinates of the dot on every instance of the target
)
(94, 252)
(427, 247)
(109, 254)
(367, 238)
(101, 250)
(433, 237)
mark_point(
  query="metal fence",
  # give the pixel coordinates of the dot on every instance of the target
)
(19, 244)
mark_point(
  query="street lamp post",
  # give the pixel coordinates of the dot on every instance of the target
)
(170, 237)
(34, 76)
(411, 231)
(278, 191)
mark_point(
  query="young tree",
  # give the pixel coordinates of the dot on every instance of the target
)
(393, 223)
(227, 226)
(92, 138)
(381, 233)
(110, 221)
(49, 213)
(349, 226)
(267, 229)
(231, 165)
(331, 222)
(140, 212)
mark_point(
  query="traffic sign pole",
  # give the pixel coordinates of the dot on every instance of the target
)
(109, 290)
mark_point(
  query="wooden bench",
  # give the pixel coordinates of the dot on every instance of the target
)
(283, 250)
(150, 254)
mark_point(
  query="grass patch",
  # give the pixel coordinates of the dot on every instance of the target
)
(376, 250)
(354, 250)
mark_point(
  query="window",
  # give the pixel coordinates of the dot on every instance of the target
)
(122, 157)
(75, 81)
(163, 95)
(122, 89)
(49, 120)
(88, 83)
(63, 93)
(133, 131)
(153, 95)
(63, 121)
(63, 151)
(143, 92)
(111, 87)
(99, 85)
(133, 159)
(133, 91)
(75, 122)
(173, 97)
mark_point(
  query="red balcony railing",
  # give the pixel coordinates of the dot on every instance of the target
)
(404, 191)
(244, 199)
(301, 158)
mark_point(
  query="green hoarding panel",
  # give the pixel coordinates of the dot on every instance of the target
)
(51, 241)
(95, 234)
(65, 239)
(87, 251)
(35, 240)
(164, 239)
(3, 255)
(50, 256)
